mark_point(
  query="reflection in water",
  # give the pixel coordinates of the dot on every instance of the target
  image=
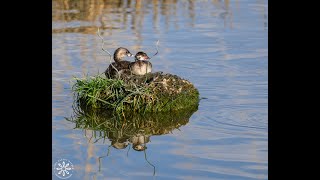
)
(135, 129)
(128, 130)
(121, 14)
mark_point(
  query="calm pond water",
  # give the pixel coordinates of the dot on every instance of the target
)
(219, 46)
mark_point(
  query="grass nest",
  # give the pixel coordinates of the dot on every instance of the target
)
(153, 92)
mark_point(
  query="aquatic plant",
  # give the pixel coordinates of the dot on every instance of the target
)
(153, 92)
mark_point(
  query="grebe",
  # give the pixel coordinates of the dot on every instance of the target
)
(119, 63)
(141, 65)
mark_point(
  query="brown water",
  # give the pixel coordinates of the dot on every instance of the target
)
(220, 46)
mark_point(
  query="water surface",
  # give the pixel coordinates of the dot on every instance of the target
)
(219, 46)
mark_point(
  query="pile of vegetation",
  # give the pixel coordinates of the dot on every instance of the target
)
(153, 92)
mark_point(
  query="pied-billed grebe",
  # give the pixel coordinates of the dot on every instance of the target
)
(141, 65)
(119, 63)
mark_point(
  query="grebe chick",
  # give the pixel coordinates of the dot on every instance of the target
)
(119, 63)
(141, 65)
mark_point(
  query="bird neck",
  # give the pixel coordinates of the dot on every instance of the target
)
(116, 59)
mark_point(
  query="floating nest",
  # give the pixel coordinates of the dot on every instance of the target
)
(153, 92)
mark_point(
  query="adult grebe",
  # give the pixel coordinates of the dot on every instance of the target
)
(119, 63)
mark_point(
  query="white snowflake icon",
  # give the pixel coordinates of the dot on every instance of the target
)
(63, 168)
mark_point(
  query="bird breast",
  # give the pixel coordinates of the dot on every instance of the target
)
(141, 67)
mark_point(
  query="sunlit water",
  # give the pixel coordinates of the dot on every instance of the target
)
(219, 46)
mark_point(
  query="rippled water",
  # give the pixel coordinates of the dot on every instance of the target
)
(219, 46)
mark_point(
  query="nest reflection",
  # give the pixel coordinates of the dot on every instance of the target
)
(129, 128)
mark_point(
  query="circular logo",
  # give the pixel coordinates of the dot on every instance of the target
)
(63, 169)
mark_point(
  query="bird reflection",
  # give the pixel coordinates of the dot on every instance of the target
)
(132, 132)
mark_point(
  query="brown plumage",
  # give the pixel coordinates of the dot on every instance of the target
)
(119, 63)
